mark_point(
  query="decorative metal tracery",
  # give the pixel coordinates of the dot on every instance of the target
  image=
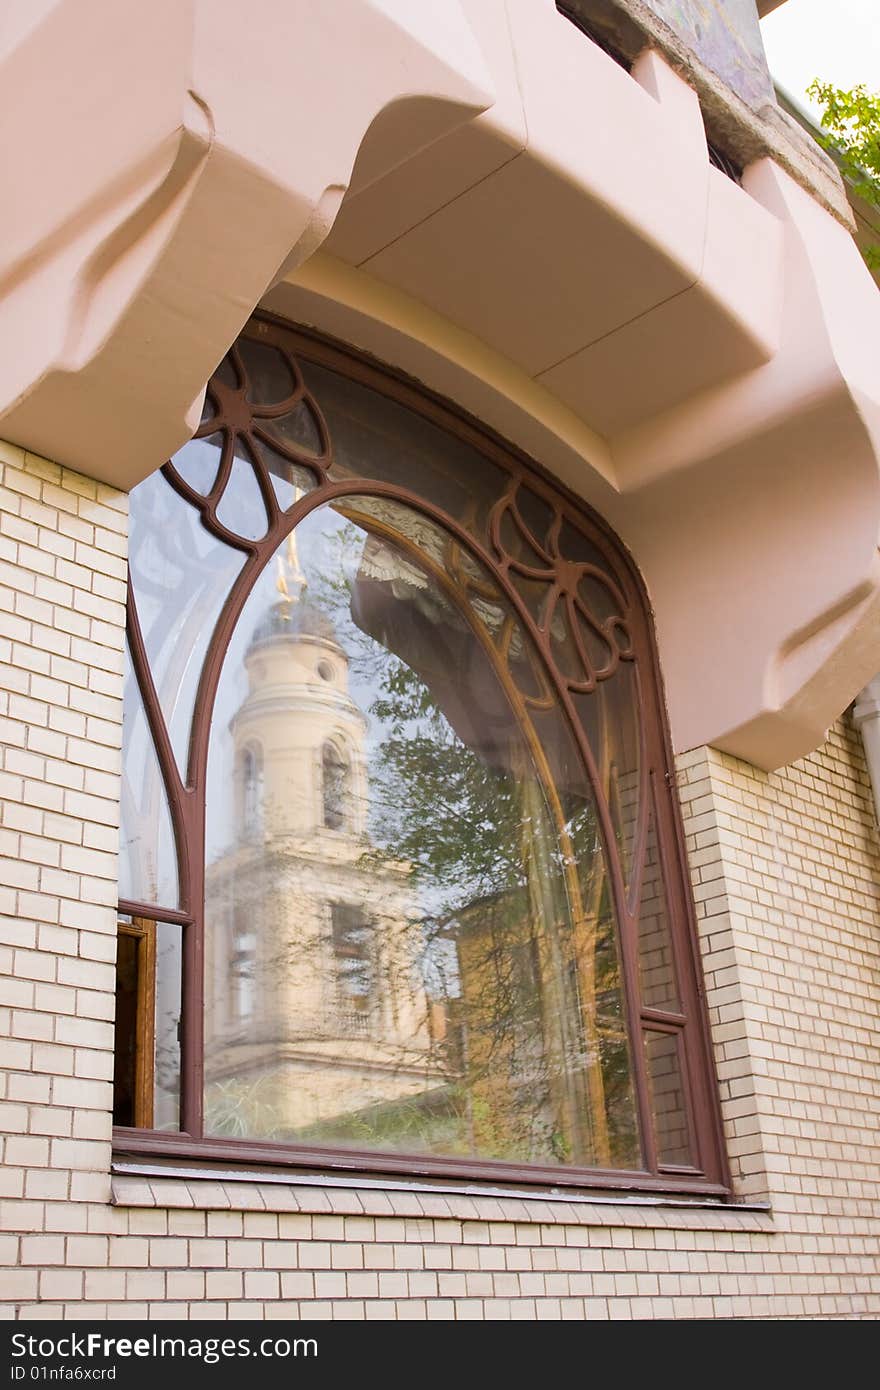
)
(284, 439)
(558, 609)
(598, 633)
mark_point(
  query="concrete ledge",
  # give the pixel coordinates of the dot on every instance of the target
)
(231, 1191)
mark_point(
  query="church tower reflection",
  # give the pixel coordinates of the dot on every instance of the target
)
(315, 1010)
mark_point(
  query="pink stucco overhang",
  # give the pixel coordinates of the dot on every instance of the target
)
(530, 230)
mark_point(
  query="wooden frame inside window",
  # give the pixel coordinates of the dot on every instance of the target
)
(135, 1020)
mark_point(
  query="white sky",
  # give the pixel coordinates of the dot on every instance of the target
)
(837, 41)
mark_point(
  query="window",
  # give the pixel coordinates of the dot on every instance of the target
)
(252, 792)
(352, 610)
(351, 936)
(335, 786)
(243, 970)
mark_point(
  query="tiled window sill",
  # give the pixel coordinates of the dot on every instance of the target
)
(180, 1187)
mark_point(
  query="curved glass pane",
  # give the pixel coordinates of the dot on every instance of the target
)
(609, 716)
(289, 480)
(147, 855)
(242, 508)
(166, 1059)
(668, 1103)
(593, 958)
(197, 462)
(270, 378)
(375, 437)
(299, 428)
(432, 966)
(181, 575)
(657, 982)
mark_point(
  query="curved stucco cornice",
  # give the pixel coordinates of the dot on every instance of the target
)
(753, 509)
(757, 506)
(516, 220)
(164, 163)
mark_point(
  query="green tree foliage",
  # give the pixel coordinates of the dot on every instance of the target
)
(451, 815)
(851, 120)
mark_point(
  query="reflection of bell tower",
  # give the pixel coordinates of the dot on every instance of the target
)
(298, 736)
(314, 1007)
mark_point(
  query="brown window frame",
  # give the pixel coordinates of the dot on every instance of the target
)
(186, 796)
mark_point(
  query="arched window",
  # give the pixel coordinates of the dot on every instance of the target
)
(351, 937)
(251, 791)
(335, 786)
(513, 932)
(242, 960)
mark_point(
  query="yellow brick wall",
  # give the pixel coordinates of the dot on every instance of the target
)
(786, 872)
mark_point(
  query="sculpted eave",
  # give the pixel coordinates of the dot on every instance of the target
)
(689, 354)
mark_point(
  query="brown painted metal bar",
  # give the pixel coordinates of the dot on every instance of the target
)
(661, 1016)
(154, 1143)
(155, 914)
(696, 1065)
(187, 817)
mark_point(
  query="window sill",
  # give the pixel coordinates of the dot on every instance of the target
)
(201, 1186)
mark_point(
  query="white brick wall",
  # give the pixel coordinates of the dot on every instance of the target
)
(62, 597)
(786, 873)
(787, 878)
